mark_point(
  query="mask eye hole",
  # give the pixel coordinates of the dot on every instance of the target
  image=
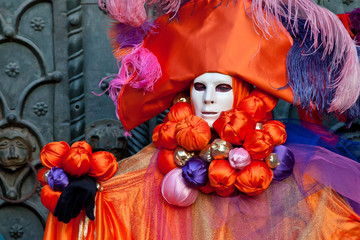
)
(199, 87)
(223, 87)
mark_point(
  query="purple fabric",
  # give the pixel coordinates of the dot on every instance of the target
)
(195, 172)
(328, 169)
(354, 17)
(57, 179)
(287, 162)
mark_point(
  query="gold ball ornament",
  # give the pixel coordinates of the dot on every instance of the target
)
(272, 160)
(181, 156)
(220, 149)
(205, 154)
(259, 126)
(181, 97)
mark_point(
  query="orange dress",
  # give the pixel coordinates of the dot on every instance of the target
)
(130, 206)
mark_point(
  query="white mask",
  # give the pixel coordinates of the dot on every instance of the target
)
(211, 94)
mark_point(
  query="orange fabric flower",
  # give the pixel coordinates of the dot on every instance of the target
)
(77, 162)
(254, 178)
(165, 161)
(156, 135)
(51, 154)
(41, 175)
(222, 177)
(103, 165)
(164, 135)
(234, 125)
(255, 106)
(179, 111)
(269, 100)
(259, 144)
(276, 129)
(207, 188)
(193, 133)
(82, 144)
(49, 197)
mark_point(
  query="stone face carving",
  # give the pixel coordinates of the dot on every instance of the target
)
(16, 147)
(107, 135)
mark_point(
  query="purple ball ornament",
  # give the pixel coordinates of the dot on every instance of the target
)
(195, 172)
(239, 158)
(287, 161)
(57, 179)
(175, 190)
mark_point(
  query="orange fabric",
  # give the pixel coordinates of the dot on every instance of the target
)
(165, 161)
(193, 133)
(40, 176)
(276, 129)
(222, 177)
(167, 134)
(259, 144)
(254, 106)
(76, 162)
(105, 227)
(241, 90)
(179, 111)
(103, 165)
(49, 197)
(207, 37)
(254, 179)
(269, 100)
(234, 125)
(122, 212)
(82, 144)
(51, 154)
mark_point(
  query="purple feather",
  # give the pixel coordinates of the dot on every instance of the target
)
(128, 36)
(325, 33)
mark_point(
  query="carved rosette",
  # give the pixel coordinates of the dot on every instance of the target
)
(75, 69)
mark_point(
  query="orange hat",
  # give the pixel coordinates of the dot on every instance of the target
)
(208, 36)
(196, 43)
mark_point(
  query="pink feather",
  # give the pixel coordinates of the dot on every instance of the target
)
(140, 69)
(267, 14)
(131, 12)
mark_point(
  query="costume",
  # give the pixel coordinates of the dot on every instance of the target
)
(254, 200)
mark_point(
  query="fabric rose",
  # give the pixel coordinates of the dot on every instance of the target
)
(179, 111)
(82, 144)
(287, 161)
(49, 197)
(254, 178)
(195, 172)
(222, 177)
(255, 106)
(165, 161)
(276, 129)
(259, 144)
(207, 188)
(234, 125)
(41, 176)
(239, 158)
(52, 153)
(103, 165)
(269, 99)
(57, 179)
(193, 133)
(77, 162)
(165, 135)
(175, 190)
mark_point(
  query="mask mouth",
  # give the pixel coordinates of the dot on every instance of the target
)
(209, 113)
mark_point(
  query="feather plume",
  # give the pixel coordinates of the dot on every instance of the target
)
(326, 33)
(140, 69)
(130, 12)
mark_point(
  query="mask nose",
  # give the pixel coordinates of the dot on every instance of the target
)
(12, 153)
(209, 96)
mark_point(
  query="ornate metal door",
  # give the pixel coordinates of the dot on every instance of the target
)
(53, 55)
